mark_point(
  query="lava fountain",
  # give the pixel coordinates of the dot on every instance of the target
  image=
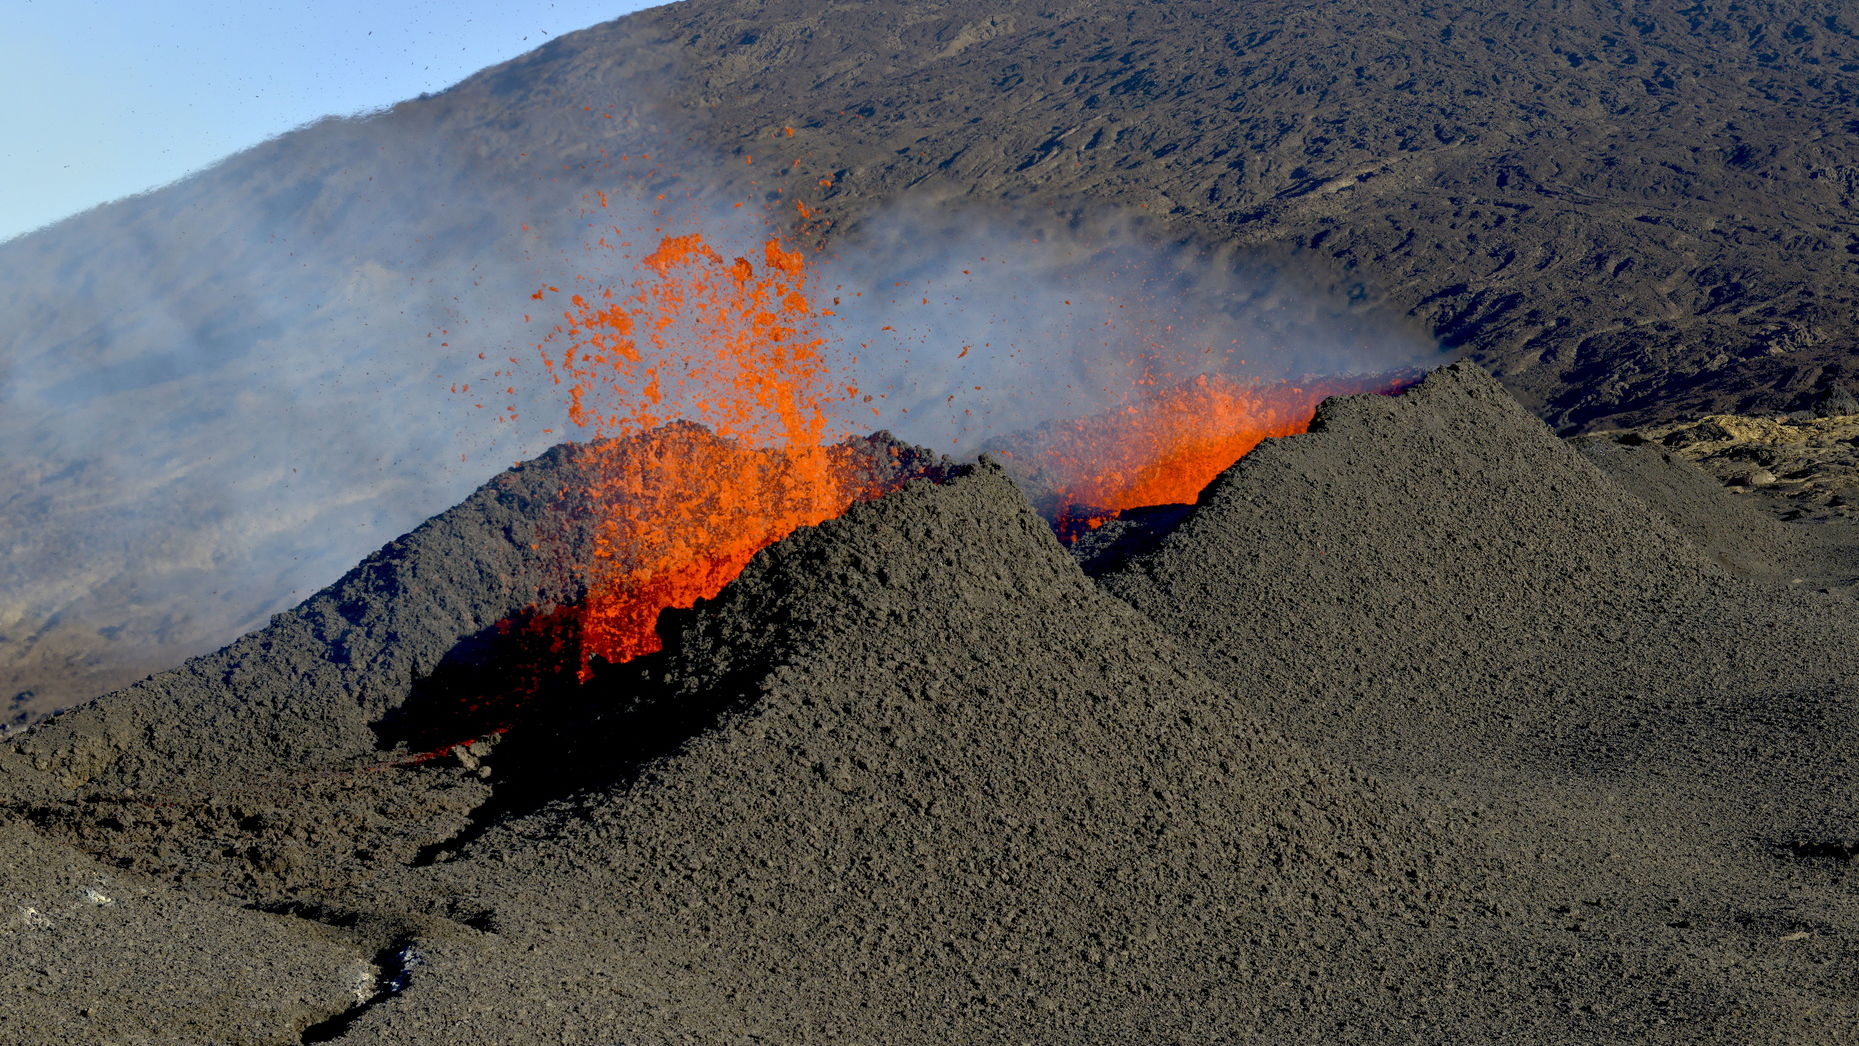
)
(678, 511)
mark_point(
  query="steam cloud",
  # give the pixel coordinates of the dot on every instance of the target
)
(234, 399)
(214, 406)
(976, 324)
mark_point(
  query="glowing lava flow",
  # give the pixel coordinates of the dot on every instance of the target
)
(679, 511)
(1169, 442)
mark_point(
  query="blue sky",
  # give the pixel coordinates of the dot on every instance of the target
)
(106, 98)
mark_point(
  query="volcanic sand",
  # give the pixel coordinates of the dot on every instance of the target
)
(95, 954)
(1418, 727)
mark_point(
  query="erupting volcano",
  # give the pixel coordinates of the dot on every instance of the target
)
(1327, 717)
(707, 394)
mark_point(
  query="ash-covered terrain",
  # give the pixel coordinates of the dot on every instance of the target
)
(220, 394)
(1517, 707)
(1424, 726)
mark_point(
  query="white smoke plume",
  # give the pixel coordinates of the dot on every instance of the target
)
(975, 323)
(218, 398)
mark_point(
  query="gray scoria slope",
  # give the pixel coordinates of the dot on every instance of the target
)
(1418, 728)
(951, 792)
(1433, 588)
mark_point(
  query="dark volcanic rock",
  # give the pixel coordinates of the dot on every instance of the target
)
(1737, 532)
(254, 770)
(1131, 533)
(94, 954)
(260, 769)
(1434, 588)
(1455, 543)
(1814, 460)
(1416, 728)
(1629, 212)
(303, 691)
(942, 789)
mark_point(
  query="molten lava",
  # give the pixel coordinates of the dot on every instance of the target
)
(679, 511)
(705, 391)
(683, 511)
(1168, 442)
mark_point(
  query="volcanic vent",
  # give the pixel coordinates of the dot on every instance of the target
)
(940, 780)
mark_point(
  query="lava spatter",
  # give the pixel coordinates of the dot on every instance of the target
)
(731, 346)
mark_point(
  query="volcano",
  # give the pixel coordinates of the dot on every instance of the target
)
(1630, 213)
(1240, 684)
(1424, 725)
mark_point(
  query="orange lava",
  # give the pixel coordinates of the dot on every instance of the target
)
(731, 349)
(732, 345)
(1170, 441)
(683, 517)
